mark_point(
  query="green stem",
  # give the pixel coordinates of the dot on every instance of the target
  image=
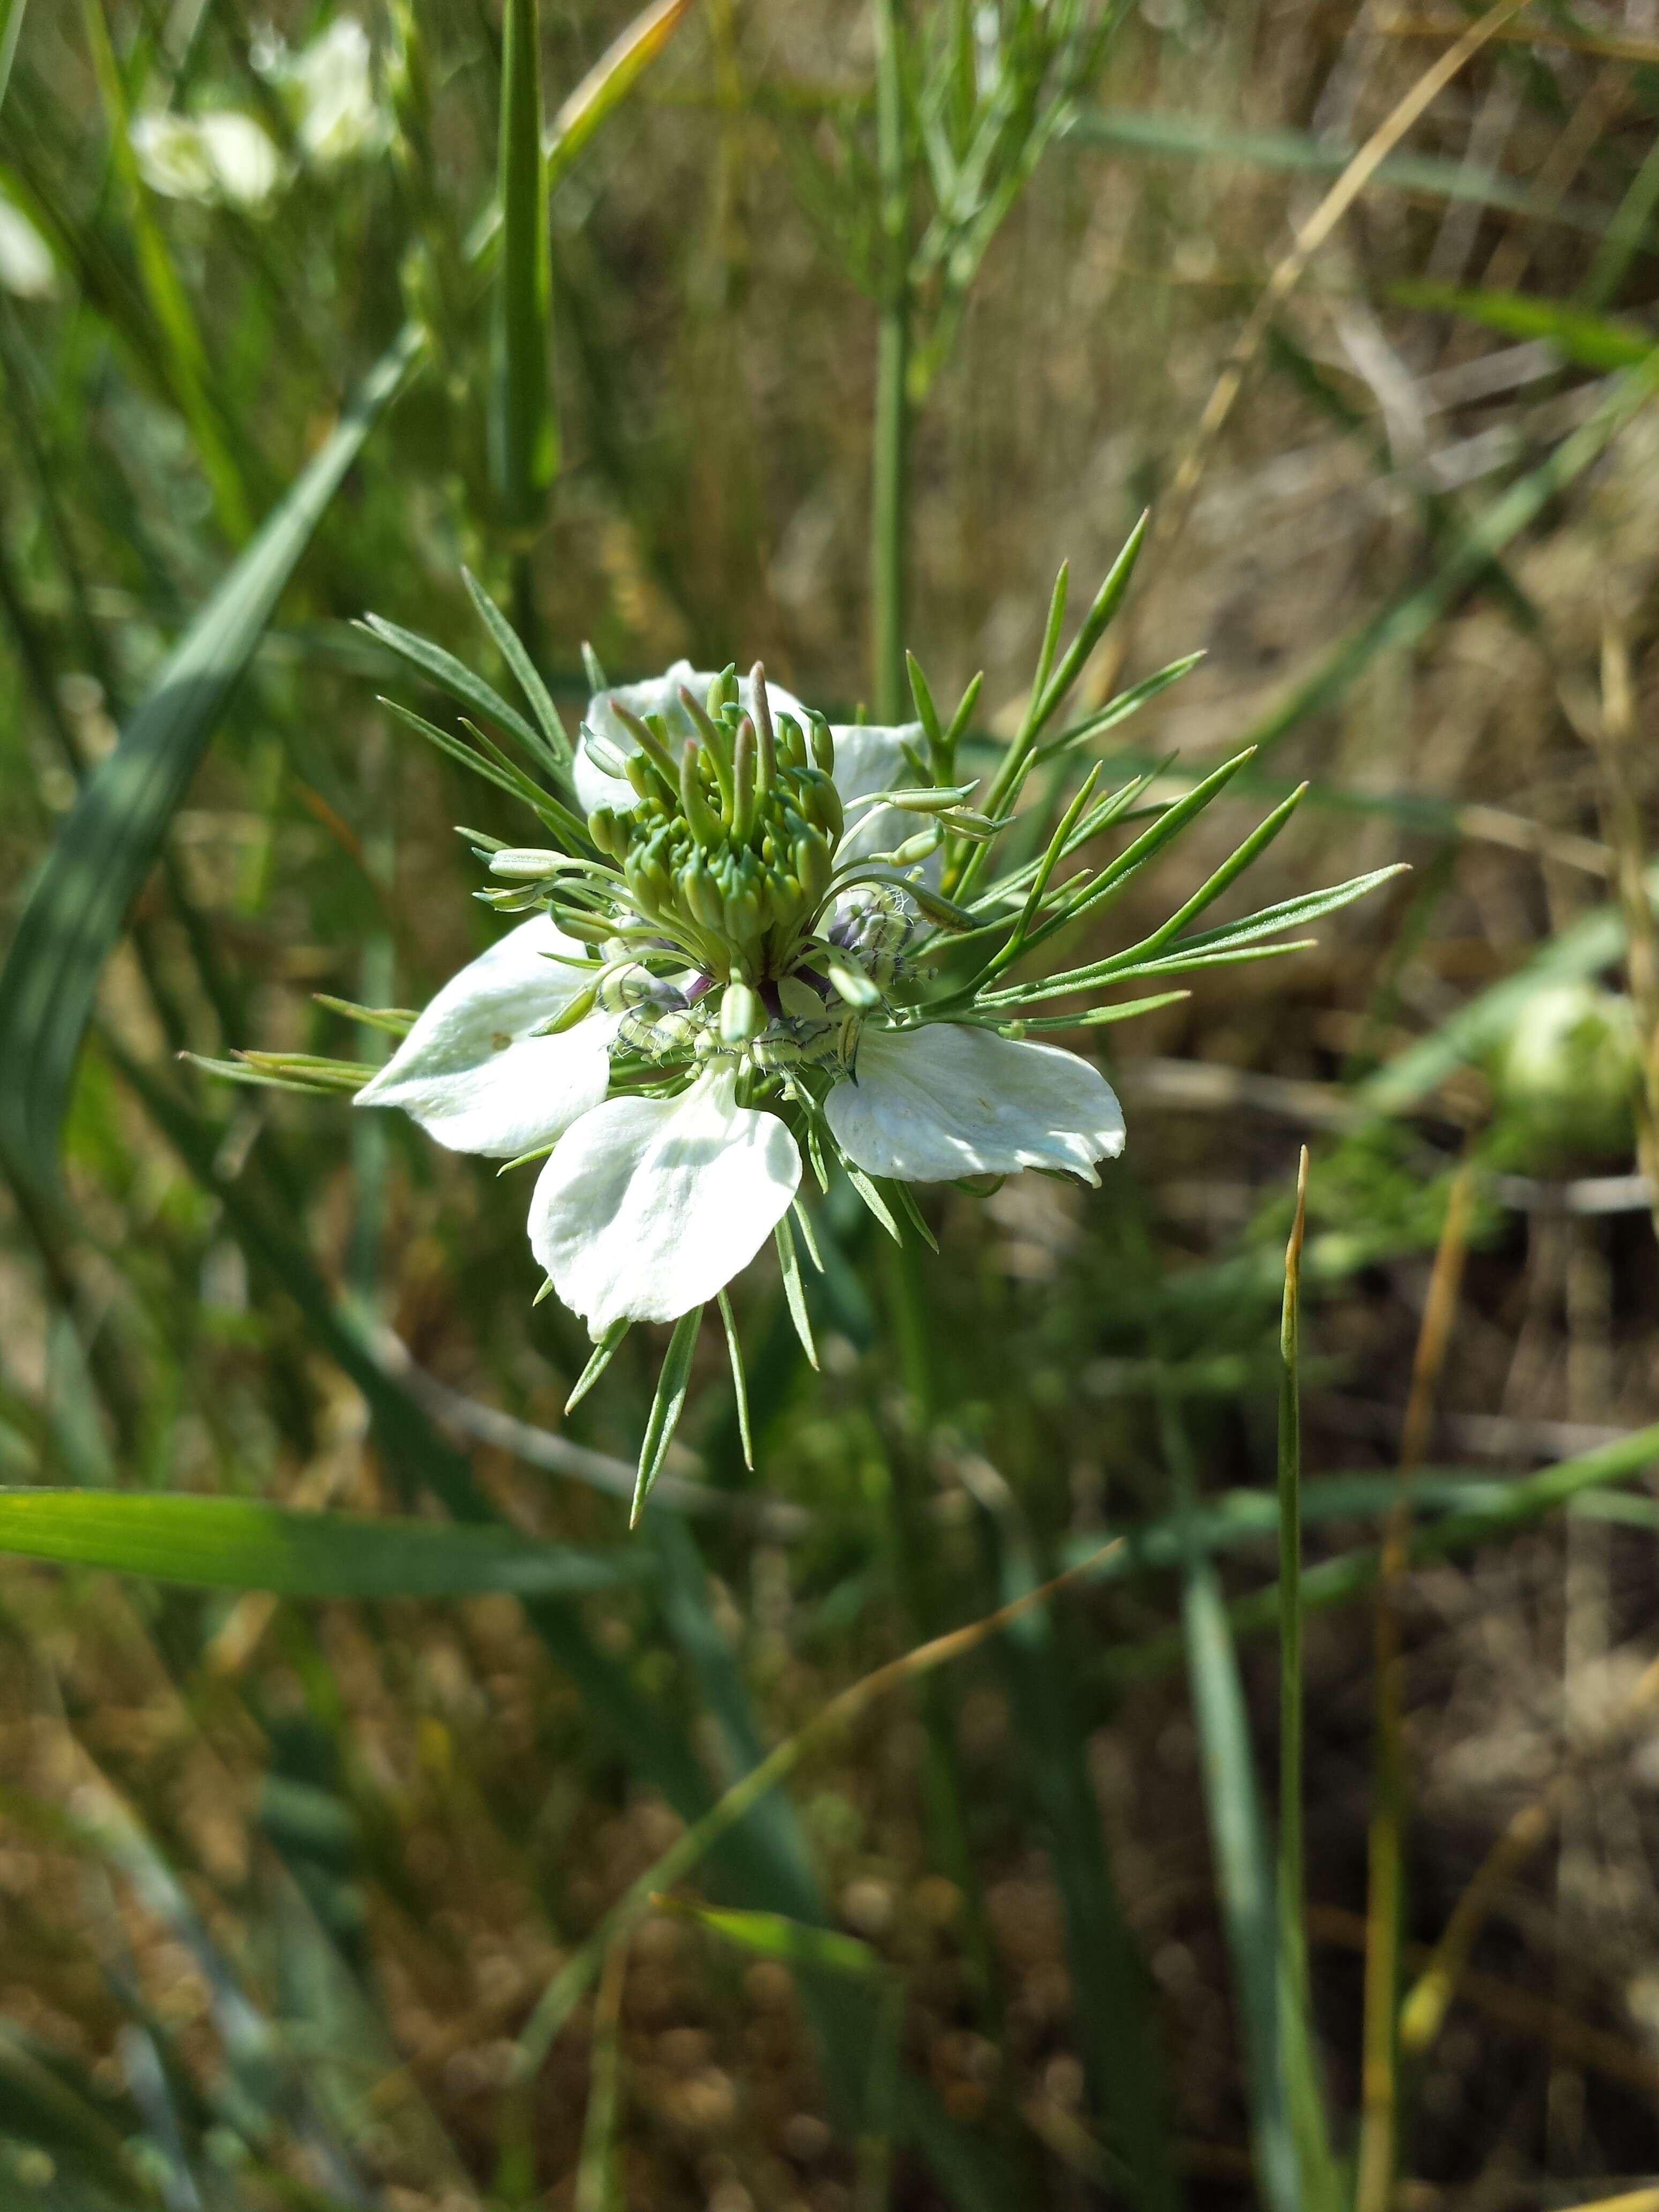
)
(888, 466)
(888, 532)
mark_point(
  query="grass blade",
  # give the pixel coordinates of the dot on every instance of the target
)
(1109, 1977)
(1380, 2126)
(523, 431)
(1245, 1872)
(79, 904)
(1601, 342)
(11, 24)
(1192, 137)
(1320, 2180)
(596, 2175)
(239, 1543)
(184, 358)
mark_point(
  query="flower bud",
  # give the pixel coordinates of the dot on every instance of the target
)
(526, 864)
(1566, 1079)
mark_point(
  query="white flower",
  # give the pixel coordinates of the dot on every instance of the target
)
(27, 268)
(222, 156)
(652, 1201)
(329, 86)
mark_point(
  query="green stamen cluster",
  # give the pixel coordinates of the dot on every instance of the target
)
(731, 847)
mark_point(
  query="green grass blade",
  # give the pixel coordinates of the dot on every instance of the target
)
(80, 902)
(794, 1942)
(1243, 1860)
(1188, 137)
(1109, 1981)
(11, 24)
(596, 2173)
(184, 356)
(1320, 2181)
(523, 432)
(1598, 342)
(236, 1543)
(42, 2103)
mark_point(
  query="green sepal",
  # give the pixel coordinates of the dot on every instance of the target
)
(604, 1352)
(793, 1289)
(666, 1407)
(396, 1021)
(739, 1382)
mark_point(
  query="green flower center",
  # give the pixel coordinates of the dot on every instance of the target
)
(731, 849)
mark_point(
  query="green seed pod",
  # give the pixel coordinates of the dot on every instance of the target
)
(742, 1015)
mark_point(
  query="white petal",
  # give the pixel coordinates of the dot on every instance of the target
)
(659, 695)
(171, 156)
(27, 267)
(869, 758)
(471, 1072)
(951, 1100)
(242, 157)
(650, 1205)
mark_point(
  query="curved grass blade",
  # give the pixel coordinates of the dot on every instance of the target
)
(243, 1543)
(79, 904)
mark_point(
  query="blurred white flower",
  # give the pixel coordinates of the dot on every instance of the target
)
(329, 88)
(27, 267)
(221, 156)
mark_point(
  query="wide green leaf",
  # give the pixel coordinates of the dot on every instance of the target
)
(244, 1544)
(80, 901)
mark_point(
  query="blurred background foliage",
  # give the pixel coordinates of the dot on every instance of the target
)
(860, 321)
